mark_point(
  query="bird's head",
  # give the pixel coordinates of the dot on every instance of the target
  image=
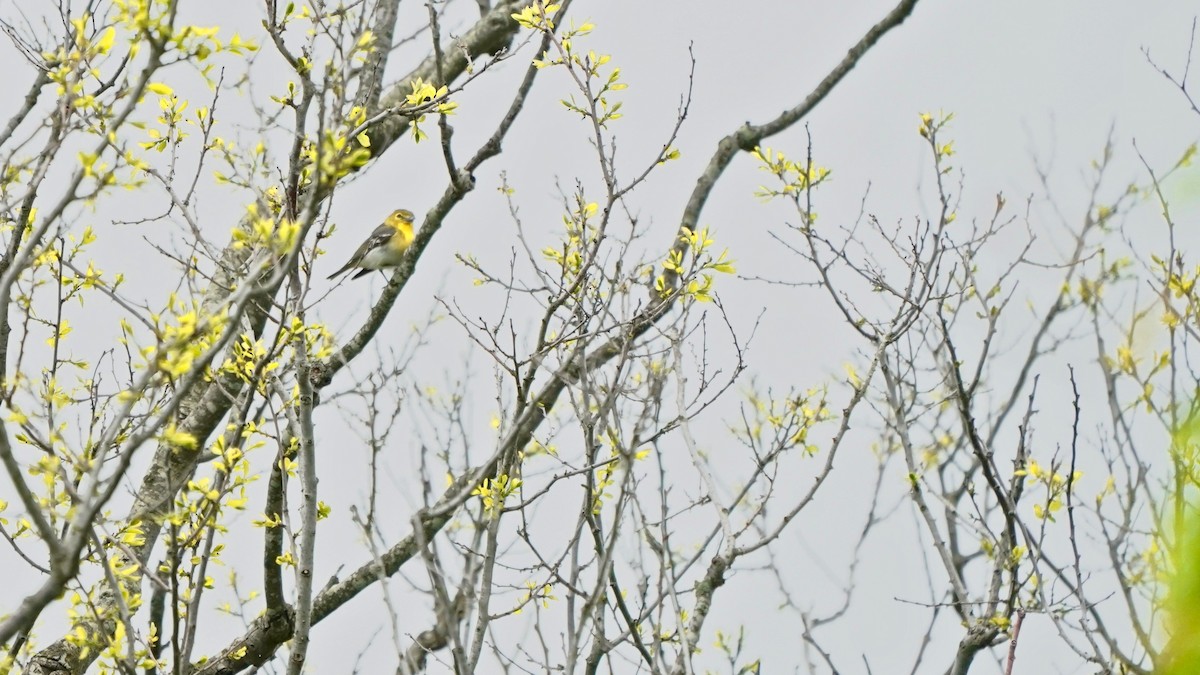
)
(401, 216)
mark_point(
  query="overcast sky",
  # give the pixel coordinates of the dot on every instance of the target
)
(1029, 82)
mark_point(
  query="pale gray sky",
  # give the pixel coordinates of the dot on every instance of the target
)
(1024, 79)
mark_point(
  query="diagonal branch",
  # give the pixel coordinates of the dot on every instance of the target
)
(748, 136)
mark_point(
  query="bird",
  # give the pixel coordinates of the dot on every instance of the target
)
(384, 248)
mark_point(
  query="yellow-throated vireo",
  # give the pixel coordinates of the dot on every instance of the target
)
(385, 247)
